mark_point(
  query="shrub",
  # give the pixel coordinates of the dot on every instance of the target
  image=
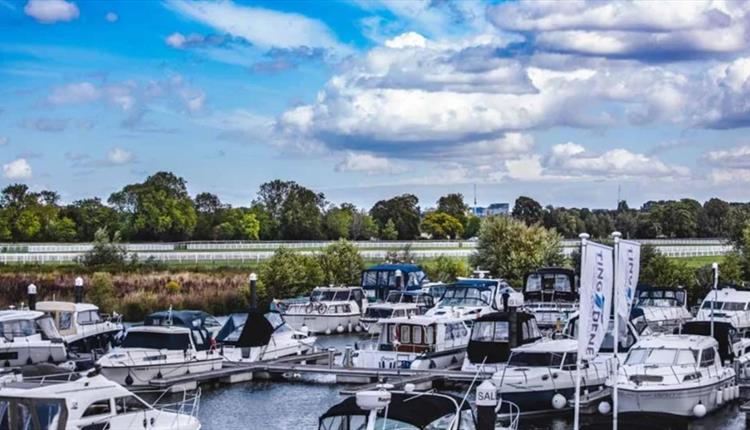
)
(289, 274)
(136, 306)
(105, 252)
(341, 263)
(173, 287)
(102, 292)
(446, 269)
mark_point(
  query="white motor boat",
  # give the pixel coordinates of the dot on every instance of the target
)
(82, 328)
(329, 310)
(380, 280)
(664, 309)
(494, 335)
(551, 294)
(468, 298)
(675, 375)
(398, 304)
(254, 337)
(419, 342)
(540, 376)
(151, 352)
(727, 305)
(88, 403)
(29, 337)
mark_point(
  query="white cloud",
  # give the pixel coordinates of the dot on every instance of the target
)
(17, 169)
(261, 27)
(407, 40)
(75, 93)
(119, 156)
(51, 11)
(176, 40)
(729, 176)
(111, 17)
(737, 157)
(363, 162)
(573, 159)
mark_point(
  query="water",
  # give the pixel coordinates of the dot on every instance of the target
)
(270, 405)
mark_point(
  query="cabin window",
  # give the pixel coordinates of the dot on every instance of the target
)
(346, 308)
(20, 328)
(685, 357)
(100, 407)
(569, 362)
(533, 330)
(65, 320)
(88, 317)
(734, 306)
(416, 334)
(429, 336)
(127, 404)
(370, 279)
(405, 334)
(150, 340)
(707, 357)
(525, 331)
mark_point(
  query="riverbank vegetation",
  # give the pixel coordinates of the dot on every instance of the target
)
(161, 209)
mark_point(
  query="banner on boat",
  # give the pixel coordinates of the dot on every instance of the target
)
(626, 280)
(597, 276)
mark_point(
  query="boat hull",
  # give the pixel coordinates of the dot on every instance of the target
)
(676, 402)
(138, 375)
(323, 324)
(13, 354)
(373, 359)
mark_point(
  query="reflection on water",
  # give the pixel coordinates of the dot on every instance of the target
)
(269, 405)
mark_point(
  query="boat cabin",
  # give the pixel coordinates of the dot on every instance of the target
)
(196, 322)
(379, 280)
(422, 334)
(661, 297)
(494, 335)
(729, 305)
(550, 284)
(556, 354)
(16, 325)
(731, 344)
(173, 338)
(81, 325)
(408, 411)
(637, 328)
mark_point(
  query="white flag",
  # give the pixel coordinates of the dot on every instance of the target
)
(626, 280)
(596, 298)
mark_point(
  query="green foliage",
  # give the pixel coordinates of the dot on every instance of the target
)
(62, 230)
(173, 287)
(527, 210)
(295, 212)
(249, 227)
(446, 269)
(473, 224)
(454, 205)
(289, 274)
(441, 225)
(509, 248)
(660, 271)
(337, 223)
(403, 211)
(341, 264)
(363, 227)
(389, 231)
(102, 292)
(105, 252)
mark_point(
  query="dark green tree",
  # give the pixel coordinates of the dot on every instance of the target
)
(527, 210)
(403, 211)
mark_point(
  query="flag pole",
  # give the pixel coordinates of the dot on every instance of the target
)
(616, 347)
(715, 270)
(577, 408)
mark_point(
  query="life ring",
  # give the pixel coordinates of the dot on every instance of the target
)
(322, 307)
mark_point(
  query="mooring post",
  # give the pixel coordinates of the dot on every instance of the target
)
(31, 293)
(78, 291)
(253, 290)
(399, 279)
(486, 405)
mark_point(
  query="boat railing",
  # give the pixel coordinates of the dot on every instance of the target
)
(53, 378)
(512, 417)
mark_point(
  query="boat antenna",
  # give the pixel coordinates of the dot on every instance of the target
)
(715, 269)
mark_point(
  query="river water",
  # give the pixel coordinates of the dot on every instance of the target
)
(273, 405)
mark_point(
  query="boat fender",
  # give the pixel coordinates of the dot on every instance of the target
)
(559, 401)
(433, 364)
(719, 396)
(28, 361)
(340, 329)
(699, 410)
(128, 380)
(328, 331)
(358, 328)
(605, 408)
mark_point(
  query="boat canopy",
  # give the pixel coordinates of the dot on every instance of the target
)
(251, 329)
(192, 319)
(491, 336)
(550, 284)
(651, 296)
(381, 278)
(724, 333)
(418, 409)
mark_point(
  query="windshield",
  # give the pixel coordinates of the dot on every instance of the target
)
(47, 326)
(724, 306)
(151, 340)
(330, 296)
(661, 303)
(18, 328)
(46, 412)
(466, 296)
(662, 356)
(548, 282)
(490, 331)
(397, 297)
(541, 359)
(359, 422)
(378, 312)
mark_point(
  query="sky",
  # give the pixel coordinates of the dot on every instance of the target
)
(566, 102)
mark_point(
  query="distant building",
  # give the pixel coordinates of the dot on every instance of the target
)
(493, 209)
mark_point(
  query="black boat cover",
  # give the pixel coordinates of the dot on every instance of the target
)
(418, 409)
(497, 352)
(724, 333)
(256, 329)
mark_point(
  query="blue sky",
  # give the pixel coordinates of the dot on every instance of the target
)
(562, 101)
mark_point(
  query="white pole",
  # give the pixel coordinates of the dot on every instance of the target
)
(715, 269)
(577, 409)
(615, 349)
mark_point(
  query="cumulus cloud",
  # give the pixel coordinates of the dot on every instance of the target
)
(51, 11)
(644, 30)
(17, 169)
(47, 125)
(119, 156)
(74, 93)
(111, 17)
(262, 27)
(363, 162)
(737, 157)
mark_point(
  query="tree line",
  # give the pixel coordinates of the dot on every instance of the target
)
(161, 209)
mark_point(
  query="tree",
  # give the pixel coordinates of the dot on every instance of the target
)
(289, 274)
(713, 219)
(660, 271)
(105, 252)
(473, 223)
(446, 269)
(402, 211)
(337, 223)
(509, 248)
(442, 225)
(157, 209)
(341, 263)
(210, 211)
(102, 292)
(389, 231)
(363, 227)
(249, 227)
(89, 215)
(295, 212)
(62, 230)
(527, 210)
(453, 204)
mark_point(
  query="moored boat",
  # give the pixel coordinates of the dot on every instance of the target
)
(663, 308)
(398, 304)
(82, 327)
(729, 305)
(328, 310)
(468, 298)
(29, 337)
(551, 294)
(380, 280)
